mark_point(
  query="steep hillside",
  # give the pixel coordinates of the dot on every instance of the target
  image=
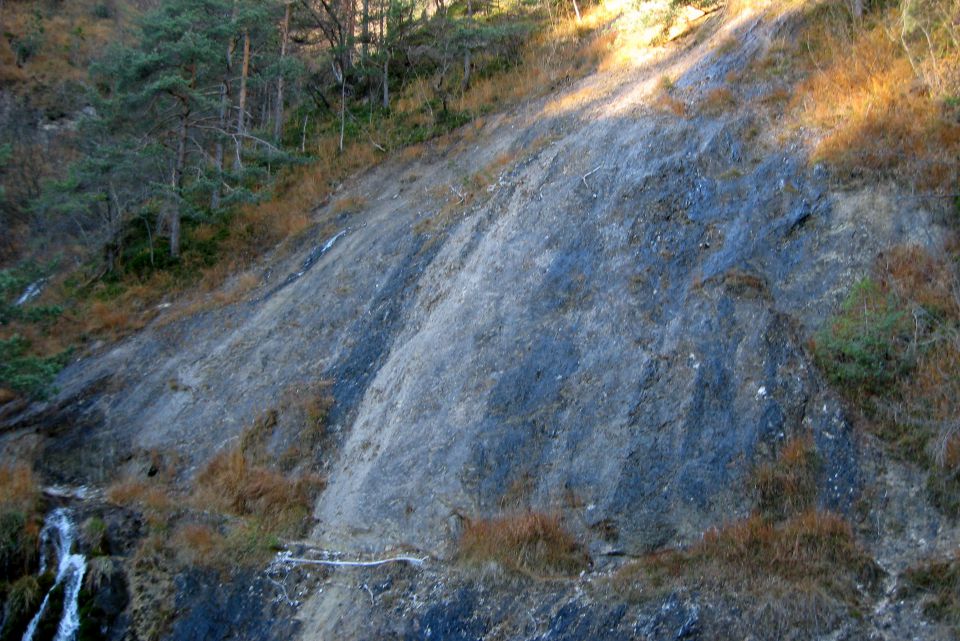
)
(594, 309)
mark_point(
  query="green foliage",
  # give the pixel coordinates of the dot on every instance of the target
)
(22, 600)
(943, 488)
(19, 369)
(866, 348)
(29, 44)
(94, 536)
(13, 282)
(938, 584)
(103, 10)
(23, 372)
(17, 545)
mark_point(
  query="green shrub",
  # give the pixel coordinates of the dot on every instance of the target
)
(938, 584)
(103, 10)
(867, 347)
(943, 488)
(12, 284)
(23, 372)
(22, 601)
(94, 536)
(18, 544)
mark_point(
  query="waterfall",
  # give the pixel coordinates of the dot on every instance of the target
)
(58, 534)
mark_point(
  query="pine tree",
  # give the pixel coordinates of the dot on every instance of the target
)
(169, 90)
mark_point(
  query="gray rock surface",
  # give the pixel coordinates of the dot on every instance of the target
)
(623, 344)
(613, 327)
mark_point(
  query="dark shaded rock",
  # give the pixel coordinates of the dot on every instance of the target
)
(210, 607)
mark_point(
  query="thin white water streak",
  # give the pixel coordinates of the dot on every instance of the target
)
(58, 531)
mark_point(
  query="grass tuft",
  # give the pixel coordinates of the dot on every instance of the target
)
(531, 543)
(20, 520)
(937, 583)
(880, 92)
(789, 485)
(867, 346)
(811, 551)
(232, 484)
(904, 320)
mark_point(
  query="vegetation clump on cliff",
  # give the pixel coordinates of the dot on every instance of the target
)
(531, 543)
(892, 349)
(787, 552)
(20, 522)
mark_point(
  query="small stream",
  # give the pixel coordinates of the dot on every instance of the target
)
(58, 536)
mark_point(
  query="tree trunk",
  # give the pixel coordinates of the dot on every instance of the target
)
(386, 80)
(226, 102)
(278, 108)
(576, 10)
(385, 49)
(466, 55)
(350, 30)
(218, 147)
(244, 72)
(178, 182)
(343, 107)
(365, 32)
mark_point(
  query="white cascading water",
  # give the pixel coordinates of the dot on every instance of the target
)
(58, 533)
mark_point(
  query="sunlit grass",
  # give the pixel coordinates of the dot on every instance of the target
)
(883, 112)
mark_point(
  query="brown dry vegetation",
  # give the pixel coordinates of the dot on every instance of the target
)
(718, 101)
(232, 512)
(785, 549)
(808, 552)
(232, 484)
(894, 351)
(937, 584)
(20, 522)
(789, 485)
(313, 404)
(880, 93)
(531, 543)
(62, 43)
(19, 488)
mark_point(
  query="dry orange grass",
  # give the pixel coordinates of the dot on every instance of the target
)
(197, 544)
(152, 496)
(68, 38)
(348, 205)
(565, 50)
(811, 551)
(110, 319)
(931, 284)
(19, 488)
(668, 104)
(232, 484)
(718, 101)
(913, 273)
(879, 119)
(788, 485)
(529, 543)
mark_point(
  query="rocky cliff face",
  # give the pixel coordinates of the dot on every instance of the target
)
(595, 307)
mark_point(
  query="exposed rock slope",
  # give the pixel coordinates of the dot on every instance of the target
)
(612, 326)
